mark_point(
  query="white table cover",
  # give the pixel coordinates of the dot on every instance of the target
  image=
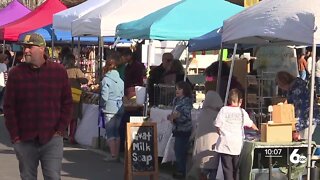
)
(87, 128)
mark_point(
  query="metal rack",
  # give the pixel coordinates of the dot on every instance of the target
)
(259, 91)
(164, 94)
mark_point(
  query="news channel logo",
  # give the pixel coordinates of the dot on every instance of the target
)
(295, 157)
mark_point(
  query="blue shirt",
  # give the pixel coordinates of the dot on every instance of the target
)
(299, 96)
(184, 106)
(112, 91)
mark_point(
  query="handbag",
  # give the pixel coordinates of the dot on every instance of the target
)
(76, 94)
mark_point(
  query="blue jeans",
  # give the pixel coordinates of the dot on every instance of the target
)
(113, 122)
(29, 153)
(181, 146)
(303, 74)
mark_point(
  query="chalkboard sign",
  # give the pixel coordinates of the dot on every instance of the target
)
(142, 149)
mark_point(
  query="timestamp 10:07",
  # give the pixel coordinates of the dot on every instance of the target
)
(270, 152)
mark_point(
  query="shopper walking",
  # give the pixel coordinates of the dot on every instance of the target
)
(37, 110)
(76, 79)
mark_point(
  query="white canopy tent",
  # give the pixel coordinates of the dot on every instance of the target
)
(63, 19)
(272, 21)
(103, 20)
(290, 22)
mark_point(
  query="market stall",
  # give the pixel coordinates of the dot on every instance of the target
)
(62, 20)
(103, 20)
(168, 23)
(40, 17)
(274, 22)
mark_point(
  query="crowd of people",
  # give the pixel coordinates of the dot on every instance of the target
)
(41, 102)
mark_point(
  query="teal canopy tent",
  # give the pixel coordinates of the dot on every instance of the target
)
(180, 21)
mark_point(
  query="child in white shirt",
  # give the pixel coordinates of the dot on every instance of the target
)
(230, 122)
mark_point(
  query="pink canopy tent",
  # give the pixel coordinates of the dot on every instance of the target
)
(38, 18)
(12, 12)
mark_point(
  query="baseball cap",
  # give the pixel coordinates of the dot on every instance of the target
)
(33, 39)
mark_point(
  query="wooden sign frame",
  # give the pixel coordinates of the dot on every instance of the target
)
(153, 175)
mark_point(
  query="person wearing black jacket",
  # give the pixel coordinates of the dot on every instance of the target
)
(156, 75)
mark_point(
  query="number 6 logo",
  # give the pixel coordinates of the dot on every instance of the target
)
(296, 158)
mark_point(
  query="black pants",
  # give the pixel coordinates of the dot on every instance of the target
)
(230, 166)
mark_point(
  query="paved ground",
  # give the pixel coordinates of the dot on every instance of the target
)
(78, 163)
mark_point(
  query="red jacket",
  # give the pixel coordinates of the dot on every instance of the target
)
(37, 102)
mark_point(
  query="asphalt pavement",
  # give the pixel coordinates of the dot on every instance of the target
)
(78, 163)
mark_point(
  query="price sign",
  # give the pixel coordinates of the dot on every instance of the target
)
(141, 150)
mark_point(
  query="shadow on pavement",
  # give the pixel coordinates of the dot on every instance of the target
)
(84, 164)
(7, 151)
(4, 134)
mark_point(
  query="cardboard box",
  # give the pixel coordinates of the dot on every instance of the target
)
(276, 132)
(276, 99)
(283, 113)
(241, 71)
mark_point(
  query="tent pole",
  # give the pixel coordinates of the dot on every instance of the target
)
(72, 44)
(94, 59)
(79, 49)
(14, 59)
(187, 66)
(219, 71)
(230, 73)
(52, 44)
(145, 109)
(114, 45)
(311, 107)
(102, 55)
(3, 45)
(100, 49)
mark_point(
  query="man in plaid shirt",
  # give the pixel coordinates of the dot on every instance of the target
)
(37, 109)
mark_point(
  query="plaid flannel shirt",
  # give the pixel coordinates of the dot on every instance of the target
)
(37, 102)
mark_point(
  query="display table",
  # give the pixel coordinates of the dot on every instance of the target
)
(164, 127)
(262, 157)
(87, 128)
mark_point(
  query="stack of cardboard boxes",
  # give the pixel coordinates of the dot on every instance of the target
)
(282, 124)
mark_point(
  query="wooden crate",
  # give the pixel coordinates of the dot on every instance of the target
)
(276, 132)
